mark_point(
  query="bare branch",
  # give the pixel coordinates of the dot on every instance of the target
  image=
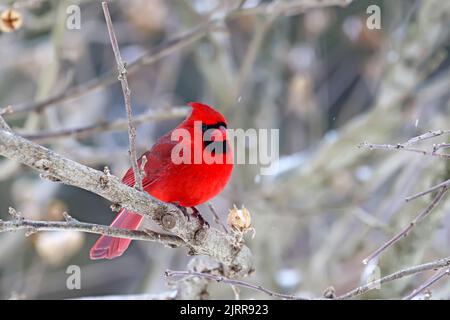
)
(109, 78)
(439, 275)
(403, 148)
(434, 188)
(169, 295)
(32, 226)
(289, 8)
(117, 125)
(209, 276)
(406, 146)
(442, 186)
(426, 136)
(406, 230)
(121, 67)
(437, 264)
(171, 46)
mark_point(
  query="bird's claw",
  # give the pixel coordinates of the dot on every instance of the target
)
(197, 214)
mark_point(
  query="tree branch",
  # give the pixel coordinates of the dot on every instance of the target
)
(209, 276)
(437, 264)
(109, 78)
(173, 45)
(200, 240)
(121, 67)
(117, 125)
(288, 8)
(443, 186)
(71, 224)
(407, 229)
(439, 275)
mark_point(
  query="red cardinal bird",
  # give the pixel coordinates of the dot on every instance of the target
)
(183, 184)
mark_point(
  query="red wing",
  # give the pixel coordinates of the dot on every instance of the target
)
(158, 158)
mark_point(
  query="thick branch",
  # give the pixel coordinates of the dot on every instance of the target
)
(208, 241)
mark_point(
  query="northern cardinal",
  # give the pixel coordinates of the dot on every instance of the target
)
(183, 184)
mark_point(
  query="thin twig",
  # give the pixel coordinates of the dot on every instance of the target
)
(168, 295)
(216, 216)
(288, 8)
(439, 146)
(429, 190)
(127, 97)
(433, 265)
(436, 277)
(406, 145)
(172, 273)
(71, 224)
(406, 230)
(403, 148)
(426, 136)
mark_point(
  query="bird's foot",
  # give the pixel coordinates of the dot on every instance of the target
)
(183, 209)
(196, 213)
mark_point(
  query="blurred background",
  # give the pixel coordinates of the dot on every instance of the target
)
(320, 75)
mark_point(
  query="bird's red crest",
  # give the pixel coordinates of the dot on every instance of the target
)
(205, 113)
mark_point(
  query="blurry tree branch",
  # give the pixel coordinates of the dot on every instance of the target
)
(437, 264)
(115, 125)
(397, 84)
(288, 8)
(174, 45)
(442, 187)
(400, 147)
(436, 277)
(111, 77)
(169, 295)
(407, 77)
(407, 229)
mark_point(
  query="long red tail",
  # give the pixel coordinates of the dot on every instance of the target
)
(109, 247)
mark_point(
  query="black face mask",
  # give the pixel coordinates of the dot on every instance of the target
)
(214, 146)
